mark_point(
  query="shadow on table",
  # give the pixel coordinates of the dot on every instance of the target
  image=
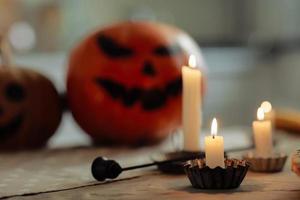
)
(254, 186)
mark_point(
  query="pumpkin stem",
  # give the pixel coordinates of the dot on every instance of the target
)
(5, 52)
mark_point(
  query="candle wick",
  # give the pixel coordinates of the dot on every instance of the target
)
(213, 136)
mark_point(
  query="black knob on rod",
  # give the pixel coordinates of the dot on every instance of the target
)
(105, 169)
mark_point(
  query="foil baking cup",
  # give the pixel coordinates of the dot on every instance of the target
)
(204, 177)
(274, 163)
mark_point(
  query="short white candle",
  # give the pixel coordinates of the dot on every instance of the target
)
(214, 148)
(191, 114)
(262, 130)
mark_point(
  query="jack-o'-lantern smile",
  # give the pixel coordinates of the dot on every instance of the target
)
(11, 127)
(150, 99)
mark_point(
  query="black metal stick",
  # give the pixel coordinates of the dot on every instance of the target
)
(159, 163)
(109, 169)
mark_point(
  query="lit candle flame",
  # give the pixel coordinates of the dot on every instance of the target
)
(192, 61)
(214, 127)
(266, 106)
(260, 114)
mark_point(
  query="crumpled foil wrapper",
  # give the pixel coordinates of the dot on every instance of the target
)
(274, 163)
(203, 177)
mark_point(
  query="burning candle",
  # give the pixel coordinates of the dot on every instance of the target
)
(262, 130)
(214, 148)
(191, 115)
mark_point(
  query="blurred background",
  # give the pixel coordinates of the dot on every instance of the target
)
(252, 48)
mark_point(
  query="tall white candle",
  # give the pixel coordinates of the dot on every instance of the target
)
(262, 130)
(214, 148)
(191, 114)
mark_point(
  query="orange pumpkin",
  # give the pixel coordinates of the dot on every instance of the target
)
(124, 82)
(30, 108)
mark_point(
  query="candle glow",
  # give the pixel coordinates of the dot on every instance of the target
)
(260, 114)
(214, 127)
(192, 61)
(269, 112)
(266, 106)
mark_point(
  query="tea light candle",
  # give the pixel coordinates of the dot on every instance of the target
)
(191, 114)
(214, 148)
(262, 130)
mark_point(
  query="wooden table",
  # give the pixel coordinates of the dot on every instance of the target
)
(65, 174)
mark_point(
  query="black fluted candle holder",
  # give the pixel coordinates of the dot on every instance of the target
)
(204, 177)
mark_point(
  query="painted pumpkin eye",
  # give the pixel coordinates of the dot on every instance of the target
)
(167, 51)
(14, 92)
(112, 48)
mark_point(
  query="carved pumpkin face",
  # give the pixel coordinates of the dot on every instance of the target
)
(124, 82)
(30, 110)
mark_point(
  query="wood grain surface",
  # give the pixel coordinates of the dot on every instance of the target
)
(65, 174)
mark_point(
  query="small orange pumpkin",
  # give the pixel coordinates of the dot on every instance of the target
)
(124, 82)
(30, 109)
